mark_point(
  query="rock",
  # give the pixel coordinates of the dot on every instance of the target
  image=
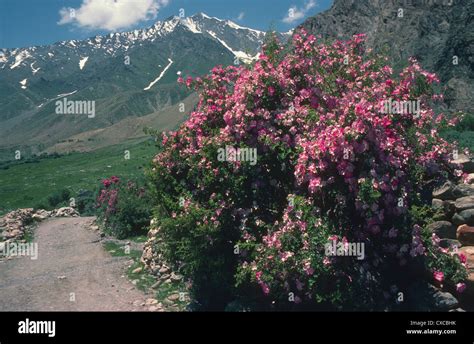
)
(444, 192)
(61, 277)
(457, 220)
(165, 277)
(437, 203)
(94, 228)
(463, 190)
(470, 178)
(465, 162)
(444, 301)
(465, 235)
(14, 234)
(175, 277)
(156, 285)
(164, 270)
(464, 203)
(168, 302)
(38, 217)
(449, 208)
(154, 308)
(469, 252)
(173, 298)
(457, 310)
(137, 303)
(150, 302)
(66, 212)
(443, 229)
(464, 217)
(2, 246)
(137, 270)
(449, 243)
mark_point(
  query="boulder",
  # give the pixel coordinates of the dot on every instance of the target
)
(443, 229)
(164, 270)
(466, 164)
(445, 192)
(66, 212)
(175, 277)
(174, 297)
(464, 203)
(470, 178)
(437, 203)
(137, 270)
(424, 297)
(465, 235)
(464, 217)
(449, 243)
(463, 190)
(469, 252)
(444, 301)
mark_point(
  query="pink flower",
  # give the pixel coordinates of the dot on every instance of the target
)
(438, 276)
(460, 287)
(463, 258)
(265, 288)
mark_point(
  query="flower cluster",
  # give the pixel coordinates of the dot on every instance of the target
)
(316, 117)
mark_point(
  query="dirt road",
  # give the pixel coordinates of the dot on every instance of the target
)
(72, 273)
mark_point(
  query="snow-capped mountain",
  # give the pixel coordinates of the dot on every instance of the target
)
(126, 73)
(243, 42)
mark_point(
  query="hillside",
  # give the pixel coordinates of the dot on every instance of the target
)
(127, 75)
(435, 32)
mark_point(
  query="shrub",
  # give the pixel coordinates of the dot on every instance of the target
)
(123, 207)
(86, 203)
(332, 168)
(58, 198)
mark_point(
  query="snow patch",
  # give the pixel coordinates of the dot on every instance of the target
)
(240, 54)
(65, 94)
(191, 25)
(19, 58)
(238, 27)
(83, 61)
(160, 76)
(35, 70)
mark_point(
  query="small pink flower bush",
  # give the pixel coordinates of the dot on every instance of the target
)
(123, 207)
(333, 168)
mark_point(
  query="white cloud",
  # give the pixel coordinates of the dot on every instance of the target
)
(110, 14)
(241, 16)
(296, 13)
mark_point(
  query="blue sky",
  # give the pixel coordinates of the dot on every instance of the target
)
(38, 22)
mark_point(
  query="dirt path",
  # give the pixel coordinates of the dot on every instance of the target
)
(70, 260)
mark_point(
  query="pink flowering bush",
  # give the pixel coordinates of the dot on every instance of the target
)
(332, 167)
(123, 207)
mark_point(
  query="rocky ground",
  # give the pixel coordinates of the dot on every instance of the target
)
(456, 226)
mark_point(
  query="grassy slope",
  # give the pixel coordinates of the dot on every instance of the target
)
(25, 185)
